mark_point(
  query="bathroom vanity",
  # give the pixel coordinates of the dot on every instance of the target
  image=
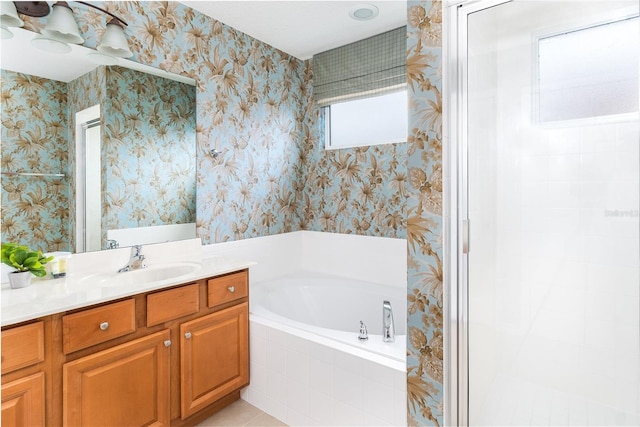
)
(172, 354)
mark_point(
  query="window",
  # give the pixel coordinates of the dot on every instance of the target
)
(361, 90)
(378, 120)
(591, 72)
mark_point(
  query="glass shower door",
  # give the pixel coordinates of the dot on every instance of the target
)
(553, 201)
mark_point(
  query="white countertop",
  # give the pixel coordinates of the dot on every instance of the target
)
(49, 296)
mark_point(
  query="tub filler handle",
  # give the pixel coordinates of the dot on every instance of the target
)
(388, 328)
(363, 336)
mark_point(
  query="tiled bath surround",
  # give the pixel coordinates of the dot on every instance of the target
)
(555, 290)
(303, 379)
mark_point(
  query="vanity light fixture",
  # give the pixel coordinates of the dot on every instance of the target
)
(8, 18)
(114, 42)
(62, 30)
(61, 25)
(364, 12)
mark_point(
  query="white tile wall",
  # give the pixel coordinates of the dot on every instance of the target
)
(555, 275)
(305, 383)
(373, 259)
(302, 382)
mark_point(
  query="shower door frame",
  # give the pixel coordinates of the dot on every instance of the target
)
(456, 196)
(456, 221)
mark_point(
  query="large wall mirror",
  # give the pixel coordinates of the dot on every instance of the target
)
(94, 156)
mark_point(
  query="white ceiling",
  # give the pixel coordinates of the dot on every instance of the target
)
(303, 28)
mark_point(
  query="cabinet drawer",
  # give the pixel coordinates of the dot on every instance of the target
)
(227, 288)
(22, 346)
(172, 304)
(97, 325)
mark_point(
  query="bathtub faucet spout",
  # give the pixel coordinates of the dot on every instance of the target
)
(388, 328)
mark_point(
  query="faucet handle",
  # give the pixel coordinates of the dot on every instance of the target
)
(363, 335)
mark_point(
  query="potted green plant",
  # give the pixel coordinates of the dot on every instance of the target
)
(25, 261)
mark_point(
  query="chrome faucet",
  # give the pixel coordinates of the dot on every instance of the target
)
(388, 328)
(136, 260)
(363, 335)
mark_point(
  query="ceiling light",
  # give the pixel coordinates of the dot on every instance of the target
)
(363, 12)
(62, 29)
(9, 15)
(114, 42)
(8, 18)
(62, 25)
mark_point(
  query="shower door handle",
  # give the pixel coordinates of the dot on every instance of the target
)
(465, 236)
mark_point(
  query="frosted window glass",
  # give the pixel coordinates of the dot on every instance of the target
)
(371, 121)
(590, 72)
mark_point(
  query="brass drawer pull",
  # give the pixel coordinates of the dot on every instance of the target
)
(104, 326)
(232, 289)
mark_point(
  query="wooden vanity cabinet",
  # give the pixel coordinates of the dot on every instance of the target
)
(169, 357)
(23, 401)
(127, 385)
(214, 357)
(23, 376)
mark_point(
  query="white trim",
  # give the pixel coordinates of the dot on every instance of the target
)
(82, 117)
(340, 147)
(456, 382)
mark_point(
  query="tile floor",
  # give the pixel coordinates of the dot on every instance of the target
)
(241, 413)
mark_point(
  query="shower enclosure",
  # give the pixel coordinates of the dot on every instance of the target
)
(544, 177)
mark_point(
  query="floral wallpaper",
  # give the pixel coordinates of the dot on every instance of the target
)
(425, 341)
(255, 106)
(354, 191)
(149, 151)
(34, 140)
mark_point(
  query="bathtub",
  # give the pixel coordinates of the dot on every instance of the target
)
(308, 366)
(332, 307)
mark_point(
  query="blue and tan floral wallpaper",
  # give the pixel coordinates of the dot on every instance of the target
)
(425, 331)
(255, 106)
(149, 150)
(34, 141)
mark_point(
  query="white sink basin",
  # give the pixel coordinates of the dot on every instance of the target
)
(151, 274)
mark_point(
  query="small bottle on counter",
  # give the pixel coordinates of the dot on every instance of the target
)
(58, 266)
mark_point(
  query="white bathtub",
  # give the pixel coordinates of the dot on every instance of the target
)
(308, 366)
(333, 307)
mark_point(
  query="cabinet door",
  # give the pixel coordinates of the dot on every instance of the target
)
(214, 357)
(127, 385)
(23, 401)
